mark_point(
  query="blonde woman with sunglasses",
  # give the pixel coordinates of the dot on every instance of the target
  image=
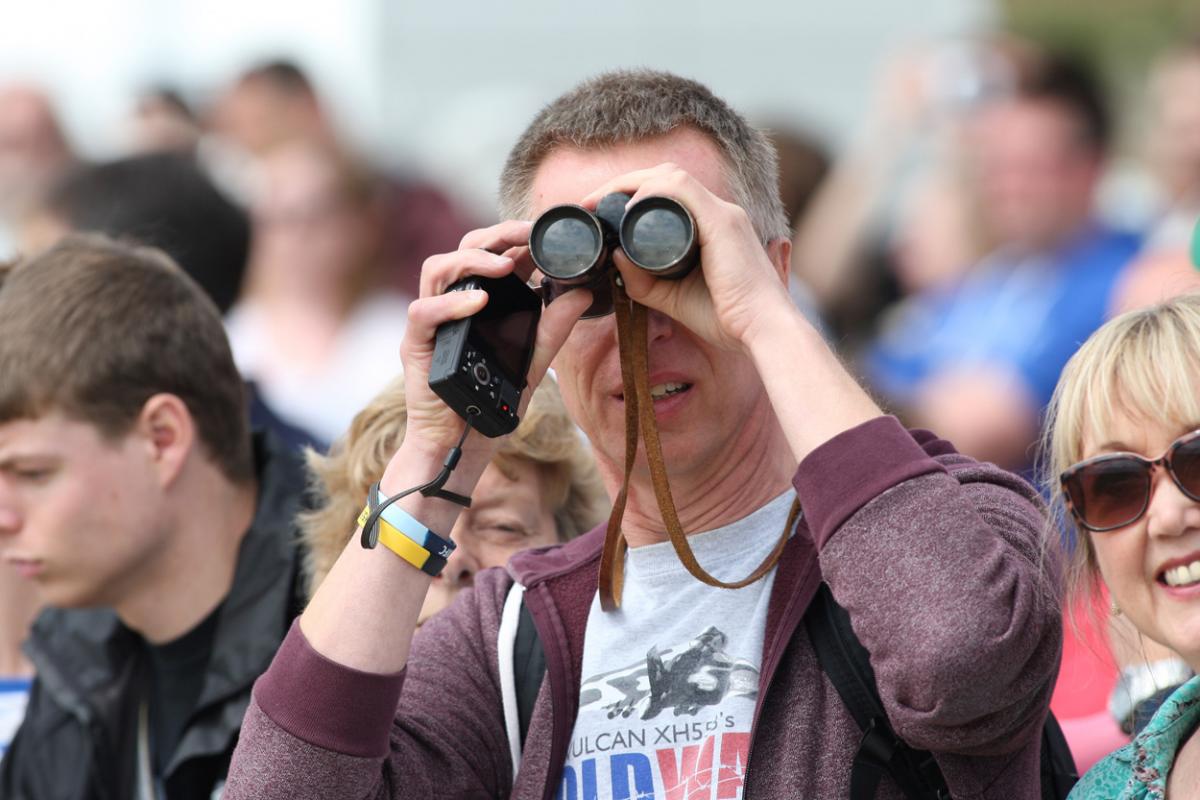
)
(1124, 445)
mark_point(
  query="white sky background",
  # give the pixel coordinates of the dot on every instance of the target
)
(443, 88)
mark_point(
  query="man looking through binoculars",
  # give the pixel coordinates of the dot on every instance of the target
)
(685, 687)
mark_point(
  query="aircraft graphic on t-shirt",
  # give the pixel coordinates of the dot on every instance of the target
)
(684, 678)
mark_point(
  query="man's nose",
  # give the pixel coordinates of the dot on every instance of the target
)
(658, 326)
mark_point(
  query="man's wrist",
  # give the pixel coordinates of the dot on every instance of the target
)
(415, 465)
(813, 396)
(780, 323)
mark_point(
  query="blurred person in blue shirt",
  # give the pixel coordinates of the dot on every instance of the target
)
(978, 359)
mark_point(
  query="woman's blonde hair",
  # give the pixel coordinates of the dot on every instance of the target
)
(546, 438)
(1144, 364)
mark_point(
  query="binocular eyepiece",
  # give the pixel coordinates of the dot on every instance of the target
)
(573, 246)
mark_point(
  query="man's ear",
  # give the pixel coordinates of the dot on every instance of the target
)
(167, 428)
(780, 253)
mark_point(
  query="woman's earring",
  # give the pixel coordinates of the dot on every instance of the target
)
(1115, 609)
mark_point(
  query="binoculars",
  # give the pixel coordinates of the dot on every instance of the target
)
(479, 363)
(573, 246)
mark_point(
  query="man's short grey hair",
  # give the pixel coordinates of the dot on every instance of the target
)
(632, 105)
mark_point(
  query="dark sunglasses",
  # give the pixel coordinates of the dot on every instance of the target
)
(1113, 490)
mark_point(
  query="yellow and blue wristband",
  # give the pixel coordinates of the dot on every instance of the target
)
(402, 545)
(407, 524)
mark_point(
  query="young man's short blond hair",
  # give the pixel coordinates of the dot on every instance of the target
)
(1144, 364)
(93, 328)
(546, 438)
(632, 105)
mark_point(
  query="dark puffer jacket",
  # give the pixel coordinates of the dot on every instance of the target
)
(79, 737)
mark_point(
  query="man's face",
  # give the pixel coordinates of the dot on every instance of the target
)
(1036, 175)
(76, 510)
(710, 394)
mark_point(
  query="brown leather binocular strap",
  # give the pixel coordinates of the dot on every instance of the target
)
(639, 414)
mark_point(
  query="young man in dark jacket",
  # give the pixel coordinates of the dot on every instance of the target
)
(134, 497)
(685, 690)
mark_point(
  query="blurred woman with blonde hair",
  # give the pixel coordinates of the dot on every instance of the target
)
(541, 488)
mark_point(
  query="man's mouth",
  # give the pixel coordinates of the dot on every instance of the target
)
(660, 390)
(1182, 575)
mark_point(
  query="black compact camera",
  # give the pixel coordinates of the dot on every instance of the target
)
(480, 363)
(573, 246)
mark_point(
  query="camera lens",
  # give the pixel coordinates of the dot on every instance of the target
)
(482, 374)
(658, 235)
(566, 242)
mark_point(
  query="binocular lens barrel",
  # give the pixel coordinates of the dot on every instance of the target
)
(658, 235)
(567, 243)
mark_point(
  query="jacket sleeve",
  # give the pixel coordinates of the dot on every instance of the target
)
(938, 559)
(316, 729)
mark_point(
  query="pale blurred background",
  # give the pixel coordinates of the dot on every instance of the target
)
(445, 87)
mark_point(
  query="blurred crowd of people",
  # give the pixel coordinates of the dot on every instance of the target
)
(311, 253)
(954, 252)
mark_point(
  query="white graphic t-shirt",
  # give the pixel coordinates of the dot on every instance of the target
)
(670, 680)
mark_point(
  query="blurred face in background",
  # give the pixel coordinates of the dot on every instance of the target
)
(1036, 172)
(310, 230)
(1175, 127)
(162, 123)
(33, 151)
(258, 116)
(507, 514)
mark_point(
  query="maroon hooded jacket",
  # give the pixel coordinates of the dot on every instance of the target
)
(936, 557)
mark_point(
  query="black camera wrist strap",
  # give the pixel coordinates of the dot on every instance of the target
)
(639, 415)
(370, 529)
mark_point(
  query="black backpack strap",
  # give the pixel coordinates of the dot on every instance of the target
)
(880, 752)
(529, 667)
